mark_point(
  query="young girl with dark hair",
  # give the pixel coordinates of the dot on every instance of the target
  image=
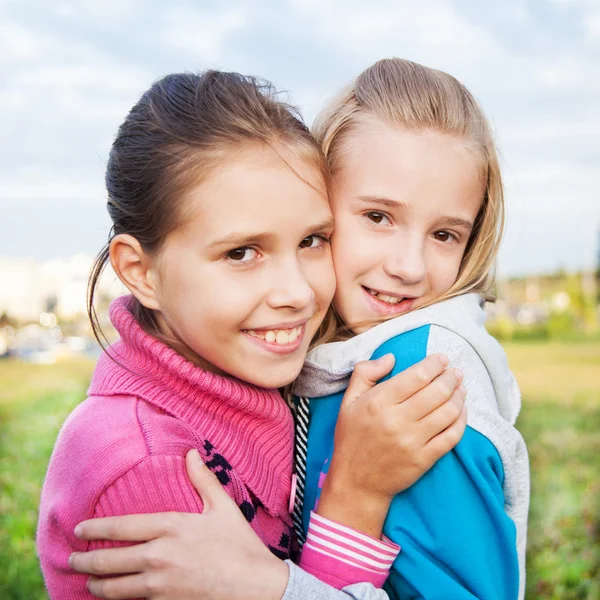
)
(221, 227)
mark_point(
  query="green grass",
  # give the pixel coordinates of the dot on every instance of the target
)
(560, 421)
(34, 401)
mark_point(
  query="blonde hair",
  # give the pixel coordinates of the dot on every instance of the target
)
(414, 97)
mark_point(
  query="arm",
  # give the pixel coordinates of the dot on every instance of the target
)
(399, 441)
(170, 563)
(457, 539)
(461, 524)
(166, 555)
(341, 556)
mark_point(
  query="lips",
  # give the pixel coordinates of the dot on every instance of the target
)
(388, 304)
(387, 298)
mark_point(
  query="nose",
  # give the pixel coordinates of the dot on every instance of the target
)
(408, 262)
(290, 287)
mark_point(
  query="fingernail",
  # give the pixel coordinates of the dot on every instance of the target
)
(195, 455)
(444, 360)
(78, 531)
(458, 375)
(70, 561)
(463, 389)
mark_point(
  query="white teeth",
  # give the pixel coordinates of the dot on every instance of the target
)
(280, 337)
(385, 298)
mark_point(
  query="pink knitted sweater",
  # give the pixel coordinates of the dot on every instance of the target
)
(122, 450)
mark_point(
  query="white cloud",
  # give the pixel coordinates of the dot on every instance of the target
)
(203, 34)
(106, 77)
(591, 24)
(570, 74)
(21, 45)
(554, 130)
(51, 190)
(71, 71)
(434, 29)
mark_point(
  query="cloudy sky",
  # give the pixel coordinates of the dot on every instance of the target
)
(69, 72)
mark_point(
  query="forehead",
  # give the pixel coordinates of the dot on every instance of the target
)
(258, 187)
(384, 160)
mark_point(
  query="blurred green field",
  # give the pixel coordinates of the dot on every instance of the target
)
(560, 421)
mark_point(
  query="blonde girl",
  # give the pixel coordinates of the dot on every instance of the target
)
(418, 204)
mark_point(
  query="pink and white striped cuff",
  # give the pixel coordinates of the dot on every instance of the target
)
(340, 556)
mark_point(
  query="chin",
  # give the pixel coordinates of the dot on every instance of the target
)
(273, 378)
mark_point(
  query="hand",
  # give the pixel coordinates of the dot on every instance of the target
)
(184, 556)
(388, 435)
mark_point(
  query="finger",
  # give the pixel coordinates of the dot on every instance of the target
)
(438, 392)
(205, 481)
(444, 416)
(406, 384)
(129, 586)
(445, 441)
(365, 375)
(111, 561)
(128, 528)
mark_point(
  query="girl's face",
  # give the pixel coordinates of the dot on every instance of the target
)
(404, 205)
(247, 280)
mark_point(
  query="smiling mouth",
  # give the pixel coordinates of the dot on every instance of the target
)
(388, 299)
(279, 337)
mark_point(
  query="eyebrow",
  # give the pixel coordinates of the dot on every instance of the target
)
(244, 238)
(397, 204)
(388, 202)
(457, 222)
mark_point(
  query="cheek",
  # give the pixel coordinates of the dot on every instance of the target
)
(212, 296)
(349, 250)
(321, 278)
(445, 273)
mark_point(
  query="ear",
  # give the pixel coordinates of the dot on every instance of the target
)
(135, 269)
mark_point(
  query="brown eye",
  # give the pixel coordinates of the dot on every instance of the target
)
(313, 241)
(376, 217)
(443, 236)
(244, 254)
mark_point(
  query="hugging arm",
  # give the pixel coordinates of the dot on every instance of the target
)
(153, 484)
(206, 556)
(200, 554)
(386, 437)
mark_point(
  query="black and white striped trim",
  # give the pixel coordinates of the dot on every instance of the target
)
(300, 462)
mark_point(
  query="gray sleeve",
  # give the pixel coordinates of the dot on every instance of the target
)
(303, 586)
(484, 417)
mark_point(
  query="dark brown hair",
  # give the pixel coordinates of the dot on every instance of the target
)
(173, 138)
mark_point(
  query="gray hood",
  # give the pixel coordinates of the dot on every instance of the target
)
(328, 367)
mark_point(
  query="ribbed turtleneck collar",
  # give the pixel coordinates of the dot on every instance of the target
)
(252, 427)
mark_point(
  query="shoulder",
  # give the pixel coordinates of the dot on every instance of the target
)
(103, 449)
(119, 431)
(100, 440)
(463, 356)
(408, 347)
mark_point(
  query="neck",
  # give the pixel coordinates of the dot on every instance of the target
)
(166, 335)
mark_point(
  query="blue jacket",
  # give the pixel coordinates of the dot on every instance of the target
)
(462, 525)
